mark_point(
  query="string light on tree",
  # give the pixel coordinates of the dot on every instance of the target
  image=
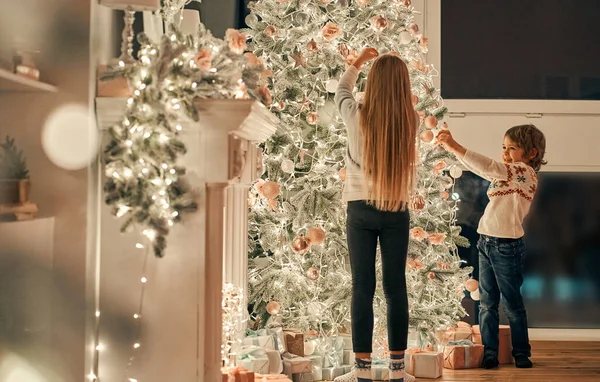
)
(306, 70)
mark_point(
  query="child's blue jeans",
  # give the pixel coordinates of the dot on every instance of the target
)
(501, 274)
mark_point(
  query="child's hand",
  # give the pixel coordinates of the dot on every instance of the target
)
(445, 139)
(365, 56)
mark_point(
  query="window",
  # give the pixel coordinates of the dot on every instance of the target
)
(520, 49)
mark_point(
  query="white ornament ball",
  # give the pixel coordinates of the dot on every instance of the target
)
(332, 85)
(309, 348)
(405, 37)
(287, 166)
(456, 172)
(475, 295)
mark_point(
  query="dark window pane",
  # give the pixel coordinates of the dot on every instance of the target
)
(520, 49)
(561, 286)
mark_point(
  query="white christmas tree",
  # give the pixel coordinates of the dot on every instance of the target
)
(298, 247)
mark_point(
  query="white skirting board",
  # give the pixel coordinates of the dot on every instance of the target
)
(564, 334)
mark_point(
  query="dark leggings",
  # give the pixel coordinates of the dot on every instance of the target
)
(364, 226)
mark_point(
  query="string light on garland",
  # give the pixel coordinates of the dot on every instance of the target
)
(146, 185)
(233, 317)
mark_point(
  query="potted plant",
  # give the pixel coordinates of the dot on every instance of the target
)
(14, 175)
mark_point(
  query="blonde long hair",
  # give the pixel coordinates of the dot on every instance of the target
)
(389, 127)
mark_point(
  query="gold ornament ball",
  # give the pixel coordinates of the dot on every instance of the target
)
(431, 275)
(271, 31)
(273, 308)
(472, 285)
(342, 174)
(417, 203)
(445, 195)
(316, 235)
(300, 245)
(312, 273)
(414, 99)
(280, 105)
(431, 122)
(270, 189)
(427, 136)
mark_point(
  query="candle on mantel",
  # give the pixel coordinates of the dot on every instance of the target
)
(136, 5)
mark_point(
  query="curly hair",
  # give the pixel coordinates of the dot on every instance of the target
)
(529, 137)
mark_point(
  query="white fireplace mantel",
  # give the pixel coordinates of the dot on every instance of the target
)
(222, 162)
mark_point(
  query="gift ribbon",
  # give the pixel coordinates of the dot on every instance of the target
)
(279, 338)
(466, 344)
(263, 333)
(252, 353)
(330, 348)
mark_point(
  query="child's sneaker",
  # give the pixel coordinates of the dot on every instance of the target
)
(523, 362)
(490, 362)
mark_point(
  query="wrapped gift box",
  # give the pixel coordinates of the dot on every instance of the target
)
(254, 358)
(275, 362)
(260, 338)
(424, 364)
(296, 365)
(294, 341)
(347, 340)
(457, 334)
(504, 345)
(237, 374)
(463, 354)
(330, 373)
(331, 349)
(317, 366)
(271, 378)
(348, 357)
(315, 359)
(278, 338)
(303, 377)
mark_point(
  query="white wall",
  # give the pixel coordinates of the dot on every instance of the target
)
(572, 128)
(60, 30)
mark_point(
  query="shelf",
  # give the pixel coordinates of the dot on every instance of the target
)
(10, 82)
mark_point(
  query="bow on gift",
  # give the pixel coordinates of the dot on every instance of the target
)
(331, 347)
(251, 352)
(267, 332)
(467, 345)
(461, 343)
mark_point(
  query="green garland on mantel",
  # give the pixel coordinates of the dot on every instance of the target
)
(145, 183)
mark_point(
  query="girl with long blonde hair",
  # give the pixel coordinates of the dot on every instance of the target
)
(379, 181)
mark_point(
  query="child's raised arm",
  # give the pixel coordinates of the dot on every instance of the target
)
(344, 100)
(480, 164)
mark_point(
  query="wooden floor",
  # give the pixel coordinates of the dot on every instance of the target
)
(552, 361)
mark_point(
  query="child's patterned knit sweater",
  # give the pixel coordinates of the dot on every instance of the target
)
(511, 192)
